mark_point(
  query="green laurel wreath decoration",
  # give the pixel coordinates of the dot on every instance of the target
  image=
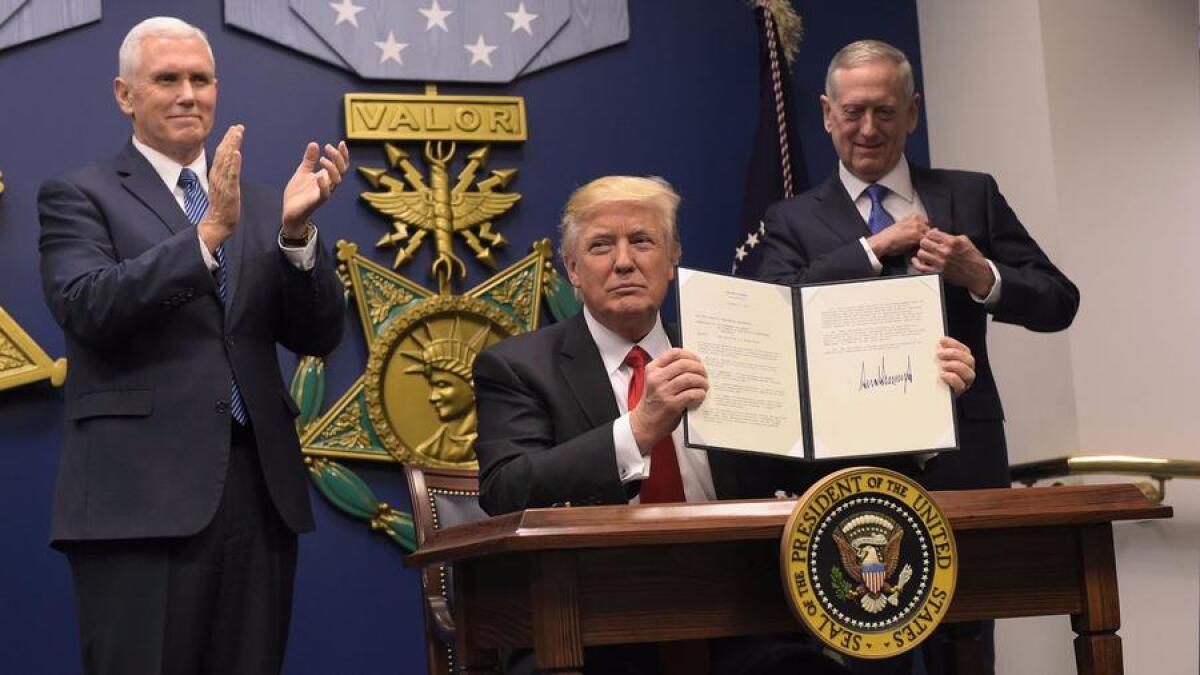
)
(350, 494)
(842, 587)
(560, 296)
(339, 485)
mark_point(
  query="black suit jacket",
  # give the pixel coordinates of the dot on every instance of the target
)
(546, 412)
(815, 238)
(151, 350)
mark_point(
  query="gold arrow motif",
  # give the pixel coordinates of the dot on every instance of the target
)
(440, 209)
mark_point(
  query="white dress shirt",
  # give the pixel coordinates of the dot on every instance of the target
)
(632, 465)
(900, 202)
(303, 257)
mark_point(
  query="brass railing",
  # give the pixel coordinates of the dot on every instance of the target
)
(1156, 469)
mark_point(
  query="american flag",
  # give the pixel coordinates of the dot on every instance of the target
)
(777, 168)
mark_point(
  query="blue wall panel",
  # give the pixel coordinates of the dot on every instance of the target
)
(676, 100)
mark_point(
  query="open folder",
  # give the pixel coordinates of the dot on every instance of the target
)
(822, 371)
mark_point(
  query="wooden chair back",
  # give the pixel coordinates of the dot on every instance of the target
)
(441, 498)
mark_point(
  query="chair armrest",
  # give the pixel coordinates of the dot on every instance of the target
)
(441, 621)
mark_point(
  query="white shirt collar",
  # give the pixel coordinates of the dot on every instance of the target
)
(898, 181)
(168, 169)
(614, 348)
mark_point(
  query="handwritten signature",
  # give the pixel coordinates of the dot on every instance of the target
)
(882, 379)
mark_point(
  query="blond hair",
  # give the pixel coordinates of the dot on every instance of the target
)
(650, 192)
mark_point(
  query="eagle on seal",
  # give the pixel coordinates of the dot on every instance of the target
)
(863, 561)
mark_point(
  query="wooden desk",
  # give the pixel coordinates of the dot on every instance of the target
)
(558, 580)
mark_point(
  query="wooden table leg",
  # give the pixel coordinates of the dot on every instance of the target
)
(471, 661)
(1097, 645)
(554, 597)
(1099, 654)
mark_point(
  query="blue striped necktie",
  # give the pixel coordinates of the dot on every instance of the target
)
(879, 218)
(195, 204)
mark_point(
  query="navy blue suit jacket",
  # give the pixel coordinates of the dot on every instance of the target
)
(151, 350)
(815, 238)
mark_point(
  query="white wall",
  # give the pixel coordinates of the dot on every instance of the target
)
(999, 123)
(1088, 113)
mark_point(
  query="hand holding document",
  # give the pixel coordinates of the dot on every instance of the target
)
(818, 372)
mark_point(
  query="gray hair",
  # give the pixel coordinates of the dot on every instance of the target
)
(650, 192)
(868, 51)
(129, 56)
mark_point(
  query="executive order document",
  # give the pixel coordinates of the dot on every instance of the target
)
(824, 371)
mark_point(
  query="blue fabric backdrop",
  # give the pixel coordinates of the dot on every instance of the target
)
(678, 100)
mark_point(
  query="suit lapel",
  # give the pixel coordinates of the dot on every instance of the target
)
(672, 331)
(140, 179)
(144, 183)
(935, 197)
(584, 372)
(836, 211)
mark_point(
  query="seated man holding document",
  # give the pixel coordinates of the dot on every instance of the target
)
(588, 410)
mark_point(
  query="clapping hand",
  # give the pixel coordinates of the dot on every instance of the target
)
(310, 187)
(224, 191)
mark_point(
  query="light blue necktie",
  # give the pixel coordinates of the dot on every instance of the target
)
(195, 204)
(879, 217)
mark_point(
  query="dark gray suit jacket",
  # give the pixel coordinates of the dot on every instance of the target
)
(546, 412)
(151, 350)
(814, 238)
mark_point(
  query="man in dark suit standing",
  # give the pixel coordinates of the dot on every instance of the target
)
(877, 214)
(181, 487)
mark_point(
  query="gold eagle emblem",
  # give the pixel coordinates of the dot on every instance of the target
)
(869, 546)
(440, 209)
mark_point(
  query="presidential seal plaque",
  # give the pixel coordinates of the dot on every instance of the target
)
(868, 562)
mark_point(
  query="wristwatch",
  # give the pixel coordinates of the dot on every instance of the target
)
(297, 242)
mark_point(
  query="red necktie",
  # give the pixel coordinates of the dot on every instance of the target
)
(664, 484)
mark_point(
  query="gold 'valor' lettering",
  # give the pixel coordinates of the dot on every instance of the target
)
(396, 117)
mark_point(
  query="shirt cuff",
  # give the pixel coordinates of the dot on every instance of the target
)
(209, 261)
(303, 258)
(631, 465)
(875, 264)
(993, 295)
